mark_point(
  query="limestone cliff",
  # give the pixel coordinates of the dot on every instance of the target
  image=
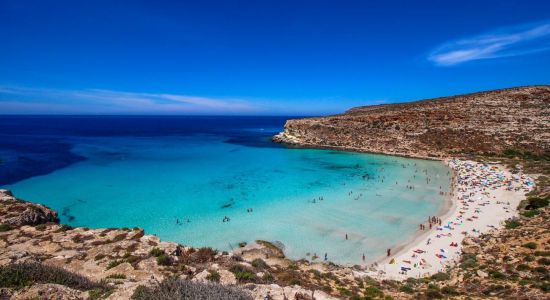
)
(481, 123)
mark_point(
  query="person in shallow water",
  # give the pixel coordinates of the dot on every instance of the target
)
(326, 256)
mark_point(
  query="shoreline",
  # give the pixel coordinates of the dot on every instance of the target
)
(488, 197)
(446, 212)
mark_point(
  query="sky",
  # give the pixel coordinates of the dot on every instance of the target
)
(262, 57)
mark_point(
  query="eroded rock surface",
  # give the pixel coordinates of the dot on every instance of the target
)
(485, 122)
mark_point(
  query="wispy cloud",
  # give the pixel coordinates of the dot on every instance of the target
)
(37, 100)
(503, 42)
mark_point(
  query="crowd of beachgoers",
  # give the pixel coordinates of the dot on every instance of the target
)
(483, 197)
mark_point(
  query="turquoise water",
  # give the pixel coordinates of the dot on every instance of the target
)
(152, 182)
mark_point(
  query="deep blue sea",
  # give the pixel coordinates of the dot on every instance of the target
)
(180, 177)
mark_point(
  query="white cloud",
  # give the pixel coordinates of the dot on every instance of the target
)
(36, 100)
(511, 41)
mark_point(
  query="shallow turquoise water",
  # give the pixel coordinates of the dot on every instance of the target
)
(154, 182)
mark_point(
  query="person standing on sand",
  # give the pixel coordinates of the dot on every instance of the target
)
(389, 252)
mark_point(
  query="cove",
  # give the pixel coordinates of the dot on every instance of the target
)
(182, 179)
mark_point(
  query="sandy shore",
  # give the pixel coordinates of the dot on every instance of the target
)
(482, 198)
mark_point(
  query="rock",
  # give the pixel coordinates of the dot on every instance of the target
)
(481, 274)
(34, 215)
(5, 193)
(49, 292)
(227, 278)
(201, 276)
(474, 123)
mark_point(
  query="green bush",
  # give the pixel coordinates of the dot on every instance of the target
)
(530, 213)
(544, 261)
(497, 275)
(440, 276)
(25, 274)
(537, 202)
(4, 227)
(156, 252)
(259, 263)
(164, 260)
(373, 292)
(213, 276)
(243, 273)
(40, 227)
(511, 224)
(406, 289)
(173, 288)
(469, 260)
(114, 263)
(530, 245)
(449, 291)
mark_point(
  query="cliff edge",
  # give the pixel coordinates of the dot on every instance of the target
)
(481, 123)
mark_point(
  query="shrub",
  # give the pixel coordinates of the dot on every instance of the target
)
(469, 260)
(293, 266)
(511, 224)
(449, 290)
(97, 294)
(373, 292)
(25, 274)
(522, 267)
(40, 227)
(440, 276)
(4, 227)
(116, 276)
(156, 252)
(64, 228)
(530, 213)
(203, 255)
(528, 258)
(213, 276)
(164, 260)
(544, 261)
(268, 277)
(295, 281)
(259, 263)
(113, 264)
(406, 289)
(542, 253)
(536, 202)
(497, 275)
(243, 273)
(433, 294)
(172, 289)
(530, 245)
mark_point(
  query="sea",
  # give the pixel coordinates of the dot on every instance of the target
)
(217, 181)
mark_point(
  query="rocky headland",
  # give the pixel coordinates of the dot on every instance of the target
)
(480, 123)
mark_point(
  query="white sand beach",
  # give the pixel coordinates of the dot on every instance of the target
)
(483, 197)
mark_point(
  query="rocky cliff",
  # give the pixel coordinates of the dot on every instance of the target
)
(481, 123)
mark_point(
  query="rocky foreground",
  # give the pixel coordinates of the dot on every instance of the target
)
(482, 123)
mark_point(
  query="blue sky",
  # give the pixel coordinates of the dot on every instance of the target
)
(261, 57)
